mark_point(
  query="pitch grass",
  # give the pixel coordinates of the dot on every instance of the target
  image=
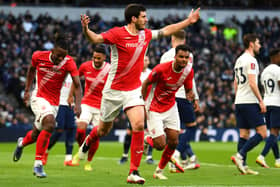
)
(216, 168)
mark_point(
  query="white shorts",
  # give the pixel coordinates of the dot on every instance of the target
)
(114, 100)
(157, 122)
(89, 115)
(41, 108)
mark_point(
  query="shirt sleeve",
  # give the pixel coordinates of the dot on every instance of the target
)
(188, 84)
(110, 36)
(155, 74)
(155, 34)
(81, 70)
(252, 67)
(72, 68)
(196, 96)
(34, 60)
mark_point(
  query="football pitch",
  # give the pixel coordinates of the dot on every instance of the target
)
(216, 168)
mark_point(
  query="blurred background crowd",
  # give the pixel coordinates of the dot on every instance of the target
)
(215, 48)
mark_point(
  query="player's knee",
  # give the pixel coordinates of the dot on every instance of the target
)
(173, 144)
(159, 144)
(159, 147)
(49, 123)
(103, 131)
(82, 125)
(138, 126)
(263, 134)
(35, 134)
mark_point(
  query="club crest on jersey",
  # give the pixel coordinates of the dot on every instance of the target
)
(253, 66)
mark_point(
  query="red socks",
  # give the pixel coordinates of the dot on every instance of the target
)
(93, 136)
(42, 144)
(80, 136)
(28, 139)
(165, 157)
(92, 150)
(137, 147)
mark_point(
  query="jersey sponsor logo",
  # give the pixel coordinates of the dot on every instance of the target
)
(50, 70)
(253, 66)
(89, 72)
(133, 45)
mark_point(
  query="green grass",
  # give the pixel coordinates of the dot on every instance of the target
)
(216, 168)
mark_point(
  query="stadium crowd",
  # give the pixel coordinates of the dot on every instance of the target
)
(214, 55)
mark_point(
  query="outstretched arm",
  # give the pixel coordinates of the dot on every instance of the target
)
(29, 80)
(91, 36)
(170, 29)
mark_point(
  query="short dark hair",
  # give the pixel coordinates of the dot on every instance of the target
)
(100, 49)
(181, 34)
(274, 52)
(247, 38)
(182, 47)
(61, 40)
(133, 10)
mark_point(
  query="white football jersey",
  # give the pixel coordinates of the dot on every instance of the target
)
(246, 64)
(64, 92)
(269, 79)
(169, 56)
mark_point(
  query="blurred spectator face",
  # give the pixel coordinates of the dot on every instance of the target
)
(256, 47)
(98, 59)
(140, 22)
(182, 58)
(58, 54)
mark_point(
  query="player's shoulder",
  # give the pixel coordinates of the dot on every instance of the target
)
(37, 54)
(164, 66)
(85, 64)
(272, 68)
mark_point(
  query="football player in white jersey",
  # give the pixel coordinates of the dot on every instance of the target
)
(270, 80)
(186, 111)
(249, 105)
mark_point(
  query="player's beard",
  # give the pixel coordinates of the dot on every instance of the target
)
(256, 52)
(138, 27)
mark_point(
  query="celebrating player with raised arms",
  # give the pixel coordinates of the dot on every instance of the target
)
(123, 87)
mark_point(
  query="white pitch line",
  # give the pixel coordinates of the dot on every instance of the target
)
(201, 163)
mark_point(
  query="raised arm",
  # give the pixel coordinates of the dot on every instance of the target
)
(91, 36)
(170, 29)
(29, 80)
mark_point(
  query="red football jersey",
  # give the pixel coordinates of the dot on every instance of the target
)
(166, 82)
(127, 57)
(50, 77)
(94, 82)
